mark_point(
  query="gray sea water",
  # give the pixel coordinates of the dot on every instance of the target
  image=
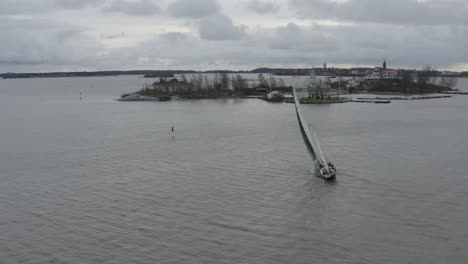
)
(101, 181)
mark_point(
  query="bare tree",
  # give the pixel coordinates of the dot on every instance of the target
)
(424, 75)
(453, 82)
(207, 86)
(184, 78)
(261, 79)
(224, 82)
(238, 83)
(216, 86)
(234, 84)
(444, 81)
(406, 82)
(273, 83)
(281, 82)
(432, 75)
(196, 84)
(241, 81)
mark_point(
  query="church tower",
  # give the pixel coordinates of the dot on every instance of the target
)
(384, 66)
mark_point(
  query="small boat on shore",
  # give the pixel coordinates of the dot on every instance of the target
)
(133, 97)
(164, 98)
(274, 96)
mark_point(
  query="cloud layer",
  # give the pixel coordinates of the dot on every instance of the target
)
(138, 8)
(193, 9)
(401, 12)
(44, 35)
(263, 7)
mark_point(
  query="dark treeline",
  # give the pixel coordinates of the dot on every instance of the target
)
(198, 86)
(275, 71)
(91, 74)
(145, 73)
(220, 85)
(351, 72)
(424, 81)
(405, 85)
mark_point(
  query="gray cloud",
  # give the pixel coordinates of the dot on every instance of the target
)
(28, 42)
(312, 45)
(411, 36)
(194, 9)
(175, 37)
(263, 7)
(387, 12)
(76, 4)
(12, 7)
(20, 62)
(219, 27)
(42, 45)
(133, 7)
(287, 37)
(113, 36)
(410, 45)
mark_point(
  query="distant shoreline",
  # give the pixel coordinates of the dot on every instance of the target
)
(89, 74)
(156, 73)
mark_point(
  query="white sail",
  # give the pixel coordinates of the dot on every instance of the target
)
(325, 163)
(326, 172)
(305, 129)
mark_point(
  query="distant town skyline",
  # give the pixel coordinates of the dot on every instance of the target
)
(76, 35)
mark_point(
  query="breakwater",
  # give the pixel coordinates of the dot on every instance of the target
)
(454, 92)
(405, 98)
(371, 101)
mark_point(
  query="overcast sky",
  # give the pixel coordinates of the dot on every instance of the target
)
(68, 35)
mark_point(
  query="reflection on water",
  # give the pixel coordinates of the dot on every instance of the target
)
(100, 181)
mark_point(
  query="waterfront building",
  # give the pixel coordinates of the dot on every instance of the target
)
(382, 73)
(315, 87)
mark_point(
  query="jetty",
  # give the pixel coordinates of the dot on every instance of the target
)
(456, 92)
(333, 100)
(371, 101)
(396, 98)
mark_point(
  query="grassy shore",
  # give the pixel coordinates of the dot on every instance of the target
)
(318, 100)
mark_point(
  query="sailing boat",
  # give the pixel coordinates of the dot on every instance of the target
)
(323, 169)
